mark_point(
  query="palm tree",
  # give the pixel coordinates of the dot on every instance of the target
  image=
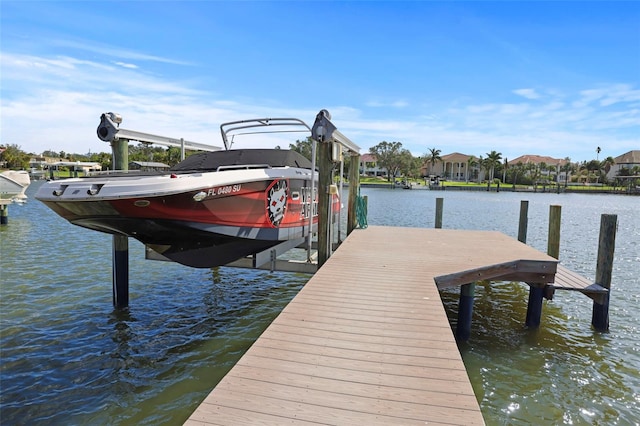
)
(432, 157)
(504, 169)
(607, 163)
(534, 173)
(517, 169)
(544, 171)
(566, 168)
(493, 159)
(471, 162)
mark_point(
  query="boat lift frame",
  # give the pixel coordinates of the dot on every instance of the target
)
(323, 131)
(109, 131)
(329, 133)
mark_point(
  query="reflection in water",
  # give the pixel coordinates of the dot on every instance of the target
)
(69, 358)
(522, 374)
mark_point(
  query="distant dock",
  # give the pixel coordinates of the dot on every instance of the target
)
(367, 340)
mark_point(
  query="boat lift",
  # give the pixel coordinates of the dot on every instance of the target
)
(109, 131)
(332, 146)
(327, 133)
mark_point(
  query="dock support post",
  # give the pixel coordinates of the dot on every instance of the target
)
(522, 226)
(331, 144)
(4, 214)
(604, 268)
(465, 311)
(120, 269)
(537, 291)
(534, 306)
(354, 186)
(324, 201)
(439, 208)
(120, 251)
(553, 243)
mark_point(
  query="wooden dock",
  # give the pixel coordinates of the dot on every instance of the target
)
(367, 340)
(566, 279)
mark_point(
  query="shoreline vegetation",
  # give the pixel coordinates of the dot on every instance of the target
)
(443, 185)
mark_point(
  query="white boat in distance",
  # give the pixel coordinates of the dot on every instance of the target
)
(13, 184)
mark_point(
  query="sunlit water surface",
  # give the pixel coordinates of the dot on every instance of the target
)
(67, 357)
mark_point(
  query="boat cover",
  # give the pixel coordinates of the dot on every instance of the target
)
(210, 161)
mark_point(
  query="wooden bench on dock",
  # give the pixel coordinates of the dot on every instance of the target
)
(566, 279)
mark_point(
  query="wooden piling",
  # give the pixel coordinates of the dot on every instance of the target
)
(4, 214)
(439, 209)
(522, 227)
(553, 243)
(467, 291)
(120, 270)
(120, 244)
(604, 268)
(354, 186)
(536, 291)
(324, 201)
(534, 306)
(465, 311)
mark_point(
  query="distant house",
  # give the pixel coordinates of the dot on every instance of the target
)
(552, 168)
(628, 160)
(454, 166)
(147, 166)
(369, 166)
(40, 166)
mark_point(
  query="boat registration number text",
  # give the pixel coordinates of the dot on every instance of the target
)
(223, 190)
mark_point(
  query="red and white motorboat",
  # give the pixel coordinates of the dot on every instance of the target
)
(208, 210)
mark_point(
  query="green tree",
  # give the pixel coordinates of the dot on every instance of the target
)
(103, 158)
(505, 167)
(388, 156)
(533, 172)
(172, 155)
(566, 168)
(592, 169)
(493, 160)
(606, 164)
(410, 164)
(432, 157)
(543, 168)
(304, 147)
(50, 153)
(514, 171)
(471, 163)
(14, 158)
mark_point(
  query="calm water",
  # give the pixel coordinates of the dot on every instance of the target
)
(68, 358)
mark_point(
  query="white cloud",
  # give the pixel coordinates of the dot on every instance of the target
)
(55, 103)
(126, 65)
(527, 93)
(393, 104)
(115, 52)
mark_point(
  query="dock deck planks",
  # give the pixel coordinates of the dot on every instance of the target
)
(566, 279)
(367, 340)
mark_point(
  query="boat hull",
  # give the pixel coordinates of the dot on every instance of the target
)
(199, 220)
(13, 185)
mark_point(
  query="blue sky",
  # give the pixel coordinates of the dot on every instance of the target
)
(548, 78)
